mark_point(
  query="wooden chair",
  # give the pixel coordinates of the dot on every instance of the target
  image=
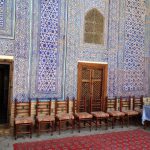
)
(81, 116)
(22, 118)
(138, 104)
(111, 109)
(63, 116)
(99, 116)
(44, 117)
(125, 107)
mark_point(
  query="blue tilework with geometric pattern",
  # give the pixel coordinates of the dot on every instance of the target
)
(47, 52)
(7, 19)
(134, 46)
(48, 46)
(2, 13)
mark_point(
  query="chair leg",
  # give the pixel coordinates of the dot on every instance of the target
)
(79, 125)
(15, 131)
(112, 122)
(127, 121)
(145, 124)
(84, 123)
(72, 124)
(59, 126)
(137, 119)
(90, 124)
(31, 128)
(122, 120)
(52, 127)
(106, 123)
(39, 128)
(100, 121)
(96, 123)
(55, 127)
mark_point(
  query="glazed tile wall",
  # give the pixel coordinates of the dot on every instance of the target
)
(123, 48)
(7, 19)
(47, 49)
(147, 45)
(48, 43)
(2, 13)
(19, 45)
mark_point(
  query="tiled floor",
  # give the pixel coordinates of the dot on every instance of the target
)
(6, 142)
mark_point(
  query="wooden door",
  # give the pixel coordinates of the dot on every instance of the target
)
(92, 82)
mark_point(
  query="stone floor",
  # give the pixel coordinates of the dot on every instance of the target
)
(6, 142)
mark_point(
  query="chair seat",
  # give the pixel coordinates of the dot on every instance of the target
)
(65, 116)
(116, 113)
(45, 118)
(23, 120)
(100, 114)
(83, 115)
(131, 112)
(139, 111)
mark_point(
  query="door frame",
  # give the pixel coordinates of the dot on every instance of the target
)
(99, 65)
(10, 62)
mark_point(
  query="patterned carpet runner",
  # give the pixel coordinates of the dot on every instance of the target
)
(125, 140)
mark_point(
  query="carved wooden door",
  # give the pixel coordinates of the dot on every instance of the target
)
(92, 82)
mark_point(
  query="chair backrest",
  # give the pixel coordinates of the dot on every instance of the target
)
(43, 107)
(125, 103)
(137, 102)
(22, 108)
(61, 106)
(95, 105)
(75, 105)
(81, 105)
(110, 104)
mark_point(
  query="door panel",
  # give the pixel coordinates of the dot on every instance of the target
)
(96, 83)
(85, 86)
(96, 95)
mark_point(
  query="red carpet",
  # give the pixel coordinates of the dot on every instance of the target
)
(125, 140)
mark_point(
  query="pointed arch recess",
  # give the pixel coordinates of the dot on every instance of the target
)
(94, 27)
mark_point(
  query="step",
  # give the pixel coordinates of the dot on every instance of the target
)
(5, 130)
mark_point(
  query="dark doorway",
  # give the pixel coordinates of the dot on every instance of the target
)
(4, 91)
